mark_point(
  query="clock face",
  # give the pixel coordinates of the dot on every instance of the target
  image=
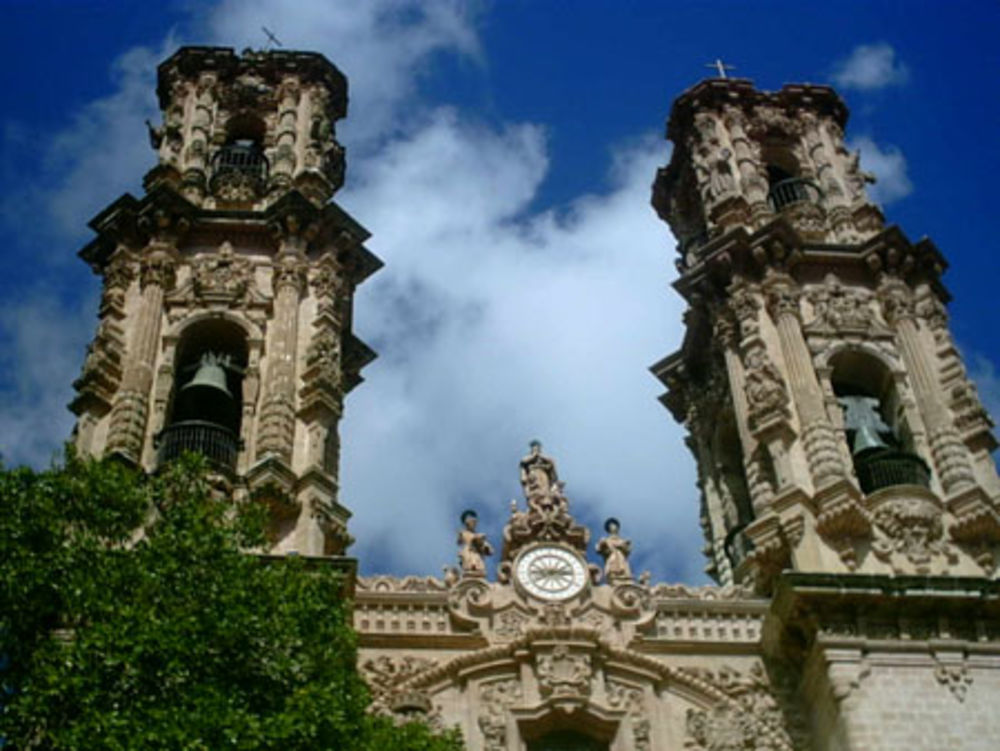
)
(551, 573)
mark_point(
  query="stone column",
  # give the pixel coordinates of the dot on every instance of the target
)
(284, 147)
(819, 439)
(757, 484)
(130, 412)
(277, 419)
(948, 452)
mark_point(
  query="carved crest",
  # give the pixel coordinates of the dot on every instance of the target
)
(563, 673)
(222, 276)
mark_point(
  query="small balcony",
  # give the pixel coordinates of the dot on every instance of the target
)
(793, 191)
(216, 443)
(885, 467)
(239, 171)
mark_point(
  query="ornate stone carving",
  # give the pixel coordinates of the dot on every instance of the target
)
(289, 271)
(911, 528)
(328, 281)
(766, 394)
(705, 592)
(744, 304)
(386, 674)
(857, 178)
(783, 299)
(323, 362)
(102, 367)
(897, 301)
(562, 673)
(406, 584)
(157, 267)
(473, 546)
(496, 698)
(615, 550)
(510, 624)
(630, 699)
(748, 717)
(955, 676)
(222, 275)
(840, 308)
(547, 517)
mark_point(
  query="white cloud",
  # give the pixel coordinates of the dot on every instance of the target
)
(494, 331)
(889, 167)
(494, 325)
(41, 356)
(870, 66)
(382, 46)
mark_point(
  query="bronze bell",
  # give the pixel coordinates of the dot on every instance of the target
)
(211, 374)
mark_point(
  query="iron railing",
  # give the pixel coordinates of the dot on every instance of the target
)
(793, 191)
(885, 467)
(245, 159)
(216, 443)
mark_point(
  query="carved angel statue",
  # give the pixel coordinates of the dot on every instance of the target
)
(473, 546)
(615, 550)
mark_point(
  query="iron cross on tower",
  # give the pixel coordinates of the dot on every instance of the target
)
(721, 67)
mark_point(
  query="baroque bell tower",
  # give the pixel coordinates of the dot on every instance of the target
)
(226, 311)
(828, 408)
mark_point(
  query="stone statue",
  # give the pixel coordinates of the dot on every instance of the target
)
(764, 386)
(538, 478)
(615, 550)
(473, 546)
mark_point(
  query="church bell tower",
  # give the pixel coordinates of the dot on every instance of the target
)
(226, 310)
(828, 408)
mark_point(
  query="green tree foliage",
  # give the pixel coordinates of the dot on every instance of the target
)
(131, 618)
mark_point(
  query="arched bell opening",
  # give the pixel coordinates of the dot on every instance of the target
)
(240, 168)
(875, 427)
(206, 406)
(786, 185)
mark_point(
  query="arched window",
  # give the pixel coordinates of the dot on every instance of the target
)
(206, 406)
(786, 186)
(239, 167)
(875, 427)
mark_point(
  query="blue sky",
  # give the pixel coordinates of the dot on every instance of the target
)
(501, 153)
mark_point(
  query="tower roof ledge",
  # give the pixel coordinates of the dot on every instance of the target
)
(713, 93)
(271, 65)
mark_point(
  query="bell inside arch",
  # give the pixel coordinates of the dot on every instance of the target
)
(207, 396)
(861, 415)
(210, 375)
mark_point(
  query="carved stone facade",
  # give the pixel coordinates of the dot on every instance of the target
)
(555, 648)
(234, 260)
(849, 499)
(811, 317)
(846, 468)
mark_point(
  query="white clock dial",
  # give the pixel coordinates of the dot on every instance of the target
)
(551, 573)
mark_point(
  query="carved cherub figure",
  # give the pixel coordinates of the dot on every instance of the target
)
(473, 546)
(615, 550)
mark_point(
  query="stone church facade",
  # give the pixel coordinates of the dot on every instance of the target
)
(850, 503)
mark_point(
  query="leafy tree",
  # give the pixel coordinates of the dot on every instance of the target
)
(131, 618)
